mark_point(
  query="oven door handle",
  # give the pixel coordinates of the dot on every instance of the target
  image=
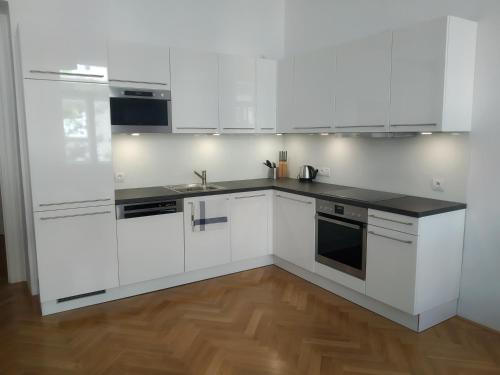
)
(339, 222)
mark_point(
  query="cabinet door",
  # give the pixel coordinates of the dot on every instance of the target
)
(195, 93)
(237, 95)
(76, 251)
(66, 52)
(294, 229)
(69, 143)
(250, 225)
(363, 84)
(285, 96)
(418, 63)
(211, 246)
(313, 90)
(391, 262)
(266, 95)
(150, 247)
(138, 65)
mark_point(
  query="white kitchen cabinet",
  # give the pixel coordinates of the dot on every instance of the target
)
(284, 98)
(195, 92)
(414, 264)
(69, 144)
(138, 65)
(266, 95)
(313, 91)
(76, 251)
(251, 225)
(237, 94)
(294, 229)
(150, 247)
(208, 246)
(363, 84)
(70, 52)
(433, 76)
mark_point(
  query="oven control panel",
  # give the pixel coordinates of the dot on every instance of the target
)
(342, 210)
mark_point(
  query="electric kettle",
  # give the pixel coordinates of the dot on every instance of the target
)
(307, 173)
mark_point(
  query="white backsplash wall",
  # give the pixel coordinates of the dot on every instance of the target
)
(167, 159)
(399, 165)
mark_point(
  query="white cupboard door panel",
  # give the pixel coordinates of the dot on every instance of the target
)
(150, 247)
(76, 251)
(391, 262)
(139, 65)
(363, 84)
(285, 95)
(68, 53)
(195, 95)
(266, 95)
(294, 229)
(237, 95)
(418, 66)
(210, 247)
(313, 90)
(69, 144)
(250, 225)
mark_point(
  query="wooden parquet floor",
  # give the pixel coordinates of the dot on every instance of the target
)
(262, 321)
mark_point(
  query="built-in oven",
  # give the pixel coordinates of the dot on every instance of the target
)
(341, 237)
(140, 110)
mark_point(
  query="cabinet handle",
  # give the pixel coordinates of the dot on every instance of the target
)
(142, 82)
(74, 202)
(402, 125)
(192, 215)
(266, 128)
(359, 126)
(251, 196)
(311, 127)
(193, 127)
(293, 199)
(391, 220)
(240, 128)
(75, 215)
(390, 238)
(67, 74)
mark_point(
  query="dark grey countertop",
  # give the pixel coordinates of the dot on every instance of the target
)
(403, 204)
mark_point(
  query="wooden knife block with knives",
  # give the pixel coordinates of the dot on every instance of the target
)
(282, 164)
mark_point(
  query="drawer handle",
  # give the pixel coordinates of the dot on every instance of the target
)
(359, 126)
(390, 238)
(142, 82)
(67, 74)
(193, 127)
(251, 196)
(293, 199)
(74, 202)
(311, 127)
(75, 215)
(391, 220)
(402, 125)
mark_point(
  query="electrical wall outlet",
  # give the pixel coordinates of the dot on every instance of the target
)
(437, 184)
(119, 177)
(324, 171)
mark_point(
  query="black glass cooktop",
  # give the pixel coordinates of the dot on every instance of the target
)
(363, 194)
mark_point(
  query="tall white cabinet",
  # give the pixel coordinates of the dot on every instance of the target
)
(266, 76)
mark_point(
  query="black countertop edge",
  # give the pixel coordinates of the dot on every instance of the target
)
(405, 205)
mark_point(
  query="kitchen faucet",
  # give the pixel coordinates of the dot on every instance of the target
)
(203, 177)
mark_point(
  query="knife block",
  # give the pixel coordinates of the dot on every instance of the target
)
(282, 169)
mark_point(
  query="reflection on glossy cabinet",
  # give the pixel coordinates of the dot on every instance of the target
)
(363, 84)
(195, 93)
(251, 225)
(266, 95)
(294, 229)
(69, 143)
(140, 65)
(237, 93)
(76, 251)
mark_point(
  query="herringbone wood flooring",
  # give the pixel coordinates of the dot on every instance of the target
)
(262, 321)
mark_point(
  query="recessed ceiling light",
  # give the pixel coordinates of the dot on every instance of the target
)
(279, 134)
(135, 134)
(216, 134)
(426, 133)
(324, 134)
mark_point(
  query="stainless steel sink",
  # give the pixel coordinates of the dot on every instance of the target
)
(190, 188)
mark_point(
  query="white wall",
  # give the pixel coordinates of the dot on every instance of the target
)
(160, 159)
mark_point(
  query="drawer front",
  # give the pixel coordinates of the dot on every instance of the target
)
(400, 223)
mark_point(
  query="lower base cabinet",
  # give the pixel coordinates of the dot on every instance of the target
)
(294, 229)
(76, 251)
(150, 247)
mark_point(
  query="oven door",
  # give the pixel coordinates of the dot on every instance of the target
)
(341, 244)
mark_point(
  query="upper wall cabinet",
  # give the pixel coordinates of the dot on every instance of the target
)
(138, 65)
(363, 85)
(237, 94)
(266, 95)
(433, 75)
(69, 54)
(313, 92)
(195, 95)
(284, 98)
